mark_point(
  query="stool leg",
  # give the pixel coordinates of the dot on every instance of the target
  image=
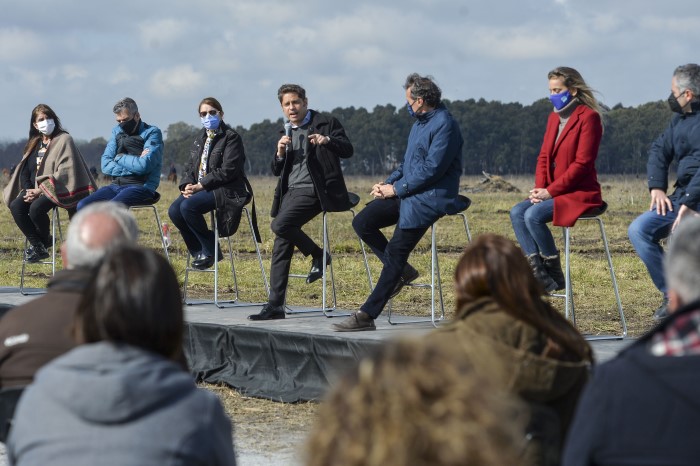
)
(569, 306)
(233, 268)
(466, 226)
(216, 260)
(219, 303)
(257, 252)
(160, 232)
(326, 250)
(326, 306)
(623, 322)
(184, 282)
(569, 311)
(435, 273)
(54, 219)
(24, 264)
(364, 258)
(435, 282)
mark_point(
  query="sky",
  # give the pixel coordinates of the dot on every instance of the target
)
(80, 56)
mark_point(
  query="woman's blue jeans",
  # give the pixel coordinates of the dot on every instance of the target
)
(530, 225)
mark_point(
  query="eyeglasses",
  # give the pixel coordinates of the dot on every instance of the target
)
(210, 112)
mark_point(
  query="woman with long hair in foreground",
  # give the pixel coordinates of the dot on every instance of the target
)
(502, 323)
(123, 396)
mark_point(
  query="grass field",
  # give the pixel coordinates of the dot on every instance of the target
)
(595, 305)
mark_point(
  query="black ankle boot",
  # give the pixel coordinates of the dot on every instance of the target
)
(541, 274)
(552, 265)
(36, 253)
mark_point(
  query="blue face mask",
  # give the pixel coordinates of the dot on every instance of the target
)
(211, 121)
(560, 100)
(410, 109)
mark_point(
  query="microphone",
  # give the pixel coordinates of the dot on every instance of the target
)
(288, 133)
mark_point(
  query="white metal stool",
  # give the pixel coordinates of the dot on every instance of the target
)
(55, 224)
(327, 306)
(159, 226)
(215, 270)
(569, 310)
(435, 284)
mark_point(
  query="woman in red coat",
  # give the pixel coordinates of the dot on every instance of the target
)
(566, 183)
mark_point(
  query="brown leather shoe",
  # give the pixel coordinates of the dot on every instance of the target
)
(357, 322)
(408, 275)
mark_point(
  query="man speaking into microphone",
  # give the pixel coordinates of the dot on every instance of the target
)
(307, 162)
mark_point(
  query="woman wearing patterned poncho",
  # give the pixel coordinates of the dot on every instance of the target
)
(51, 173)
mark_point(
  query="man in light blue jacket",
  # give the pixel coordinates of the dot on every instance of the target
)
(133, 158)
(413, 197)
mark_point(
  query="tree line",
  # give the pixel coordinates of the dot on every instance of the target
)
(499, 138)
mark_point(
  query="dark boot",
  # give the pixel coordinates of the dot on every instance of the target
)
(541, 274)
(553, 267)
(36, 253)
(661, 313)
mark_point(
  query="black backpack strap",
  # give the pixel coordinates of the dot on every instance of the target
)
(254, 215)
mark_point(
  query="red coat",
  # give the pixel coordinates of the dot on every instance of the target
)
(567, 168)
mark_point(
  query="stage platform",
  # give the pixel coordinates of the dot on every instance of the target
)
(293, 359)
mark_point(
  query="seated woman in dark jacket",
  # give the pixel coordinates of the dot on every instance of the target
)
(123, 396)
(500, 311)
(213, 179)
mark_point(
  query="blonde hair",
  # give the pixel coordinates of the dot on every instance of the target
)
(418, 403)
(573, 80)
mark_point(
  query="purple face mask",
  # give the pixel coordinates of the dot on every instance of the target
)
(560, 100)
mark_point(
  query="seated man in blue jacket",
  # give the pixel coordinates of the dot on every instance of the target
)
(420, 191)
(133, 158)
(680, 143)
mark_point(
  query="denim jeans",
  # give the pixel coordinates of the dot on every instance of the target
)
(128, 195)
(530, 225)
(645, 233)
(187, 214)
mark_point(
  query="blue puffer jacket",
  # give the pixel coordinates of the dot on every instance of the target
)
(148, 165)
(427, 181)
(681, 141)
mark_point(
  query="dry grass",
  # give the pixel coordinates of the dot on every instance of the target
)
(595, 305)
(258, 424)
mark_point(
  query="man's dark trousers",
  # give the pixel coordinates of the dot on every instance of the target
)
(394, 253)
(298, 207)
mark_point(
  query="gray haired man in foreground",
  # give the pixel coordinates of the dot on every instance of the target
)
(38, 331)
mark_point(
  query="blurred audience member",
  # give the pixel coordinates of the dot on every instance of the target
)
(36, 332)
(123, 395)
(642, 407)
(500, 313)
(416, 403)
